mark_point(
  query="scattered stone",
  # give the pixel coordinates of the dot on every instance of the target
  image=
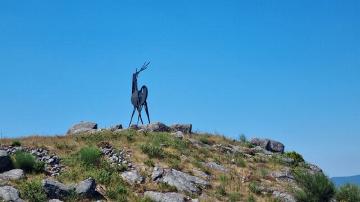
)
(86, 188)
(283, 175)
(183, 181)
(55, 189)
(314, 168)
(5, 161)
(287, 160)
(157, 173)
(269, 145)
(15, 174)
(185, 128)
(156, 127)
(115, 157)
(9, 193)
(165, 197)
(283, 197)
(83, 127)
(134, 127)
(133, 177)
(178, 134)
(216, 166)
(116, 127)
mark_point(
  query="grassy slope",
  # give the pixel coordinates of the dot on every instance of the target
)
(178, 154)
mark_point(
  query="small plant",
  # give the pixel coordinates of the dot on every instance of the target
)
(314, 187)
(39, 166)
(16, 143)
(220, 190)
(295, 156)
(239, 160)
(254, 187)
(90, 156)
(119, 193)
(104, 177)
(24, 161)
(149, 163)
(205, 140)
(152, 151)
(348, 193)
(175, 163)
(130, 136)
(234, 197)
(251, 198)
(165, 187)
(32, 191)
(242, 138)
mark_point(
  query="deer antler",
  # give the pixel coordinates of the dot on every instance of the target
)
(145, 65)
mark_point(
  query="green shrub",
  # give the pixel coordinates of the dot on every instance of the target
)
(119, 193)
(254, 187)
(39, 166)
(295, 156)
(90, 156)
(149, 163)
(104, 177)
(348, 193)
(152, 151)
(32, 191)
(16, 143)
(251, 198)
(220, 190)
(24, 160)
(314, 187)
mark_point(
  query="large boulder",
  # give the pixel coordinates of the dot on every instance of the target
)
(133, 177)
(5, 161)
(86, 188)
(269, 145)
(83, 127)
(56, 190)
(185, 128)
(9, 193)
(165, 197)
(182, 181)
(156, 127)
(15, 174)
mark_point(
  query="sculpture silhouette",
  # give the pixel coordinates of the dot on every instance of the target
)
(139, 98)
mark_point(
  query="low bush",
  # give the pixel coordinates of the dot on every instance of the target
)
(90, 156)
(313, 187)
(24, 160)
(295, 156)
(16, 143)
(348, 193)
(119, 193)
(32, 191)
(152, 151)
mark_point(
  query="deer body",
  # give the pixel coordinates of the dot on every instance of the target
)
(139, 97)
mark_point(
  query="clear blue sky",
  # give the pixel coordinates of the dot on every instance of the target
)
(286, 70)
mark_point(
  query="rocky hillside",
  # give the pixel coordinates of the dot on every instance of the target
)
(146, 163)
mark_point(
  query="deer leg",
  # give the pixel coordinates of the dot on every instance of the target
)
(142, 122)
(132, 115)
(147, 111)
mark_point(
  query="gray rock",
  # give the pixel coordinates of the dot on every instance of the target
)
(55, 189)
(201, 174)
(283, 175)
(183, 181)
(116, 127)
(86, 188)
(15, 174)
(178, 134)
(83, 127)
(157, 173)
(9, 193)
(270, 145)
(283, 197)
(185, 128)
(5, 161)
(133, 177)
(165, 197)
(156, 127)
(216, 166)
(314, 168)
(55, 200)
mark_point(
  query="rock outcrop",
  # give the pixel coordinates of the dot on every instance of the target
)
(165, 197)
(56, 190)
(269, 145)
(133, 177)
(15, 174)
(86, 188)
(82, 127)
(5, 161)
(185, 128)
(10, 194)
(182, 181)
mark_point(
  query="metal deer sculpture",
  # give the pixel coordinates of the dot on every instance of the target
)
(139, 97)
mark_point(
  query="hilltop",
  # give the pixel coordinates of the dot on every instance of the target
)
(147, 163)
